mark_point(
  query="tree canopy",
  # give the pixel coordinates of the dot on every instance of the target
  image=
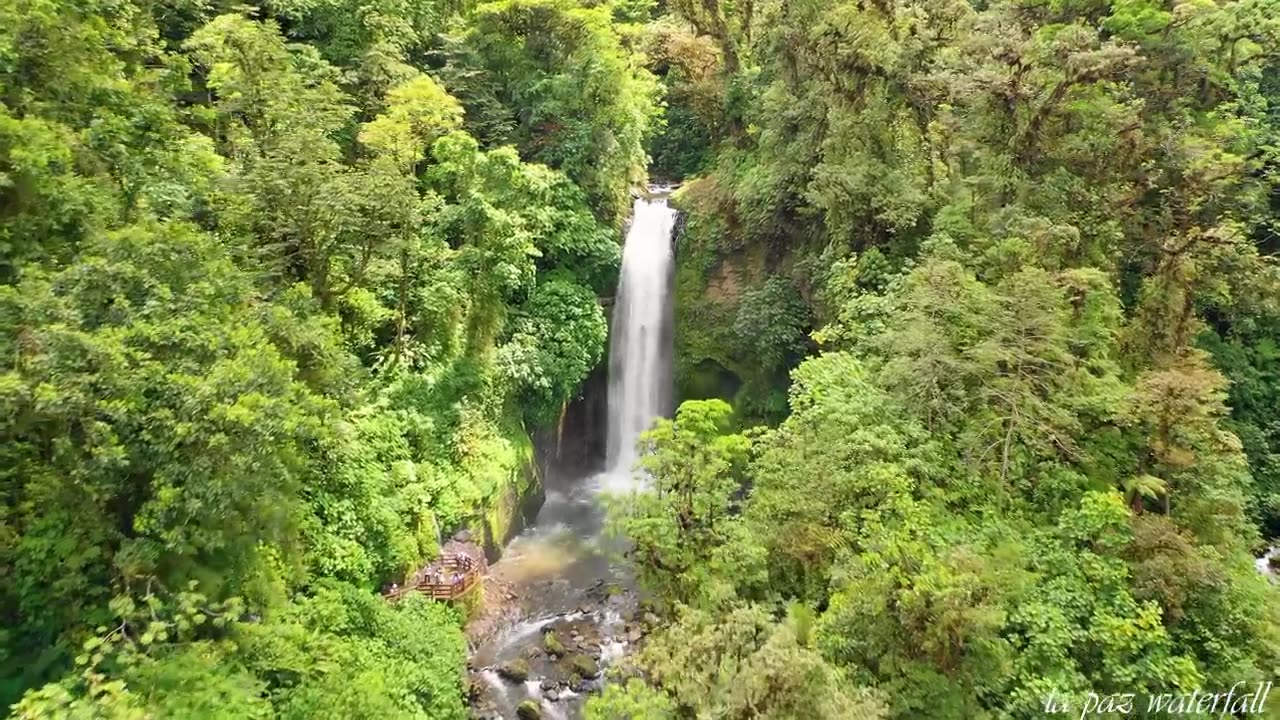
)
(977, 315)
(279, 311)
(991, 288)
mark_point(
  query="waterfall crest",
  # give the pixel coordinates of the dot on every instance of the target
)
(640, 379)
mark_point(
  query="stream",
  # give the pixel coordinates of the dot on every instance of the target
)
(575, 609)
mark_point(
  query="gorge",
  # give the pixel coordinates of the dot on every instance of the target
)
(959, 389)
(567, 574)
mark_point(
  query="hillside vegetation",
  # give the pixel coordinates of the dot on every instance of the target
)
(977, 328)
(285, 290)
(998, 283)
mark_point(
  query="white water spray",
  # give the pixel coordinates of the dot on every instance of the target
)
(640, 349)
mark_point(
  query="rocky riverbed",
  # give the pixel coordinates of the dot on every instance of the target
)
(559, 611)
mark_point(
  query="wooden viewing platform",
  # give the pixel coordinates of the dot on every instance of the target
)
(449, 577)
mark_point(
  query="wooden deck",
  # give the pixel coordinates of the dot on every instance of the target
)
(449, 577)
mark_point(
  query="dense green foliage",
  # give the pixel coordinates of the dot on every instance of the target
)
(558, 84)
(272, 321)
(1032, 443)
(285, 286)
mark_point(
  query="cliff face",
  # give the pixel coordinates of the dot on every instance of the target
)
(740, 323)
(575, 445)
(517, 496)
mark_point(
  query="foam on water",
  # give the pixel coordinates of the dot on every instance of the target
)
(494, 680)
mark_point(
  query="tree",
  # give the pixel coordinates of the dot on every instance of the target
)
(1201, 463)
(630, 701)
(146, 404)
(831, 469)
(290, 201)
(418, 112)
(553, 78)
(743, 664)
(558, 338)
(689, 544)
(380, 43)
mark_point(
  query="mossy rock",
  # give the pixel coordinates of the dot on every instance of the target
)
(529, 710)
(515, 671)
(552, 644)
(472, 603)
(581, 665)
(511, 497)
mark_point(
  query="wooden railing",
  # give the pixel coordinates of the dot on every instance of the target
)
(448, 578)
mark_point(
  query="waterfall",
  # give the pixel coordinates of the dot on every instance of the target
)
(640, 347)
(564, 566)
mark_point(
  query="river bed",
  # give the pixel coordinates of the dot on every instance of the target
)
(562, 576)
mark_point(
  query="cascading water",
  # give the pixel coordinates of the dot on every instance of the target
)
(562, 567)
(640, 348)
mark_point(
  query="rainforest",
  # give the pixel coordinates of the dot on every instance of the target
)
(960, 392)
